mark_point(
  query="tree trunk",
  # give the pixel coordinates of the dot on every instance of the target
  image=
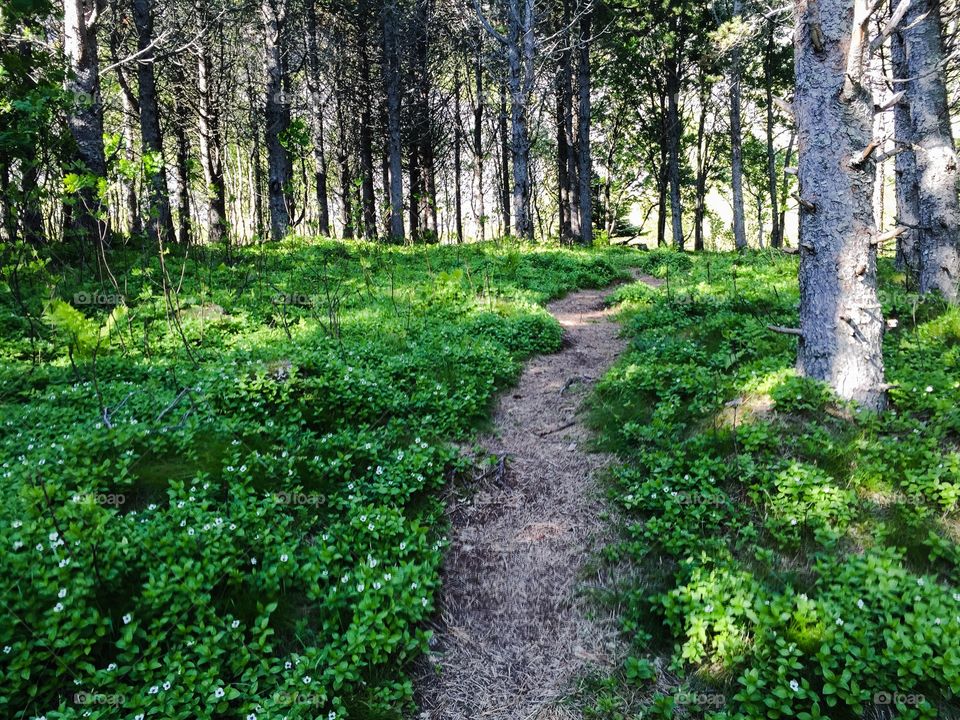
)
(391, 51)
(566, 162)
(936, 155)
(584, 164)
(840, 316)
(277, 115)
(343, 160)
(159, 219)
(736, 144)
(211, 148)
(457, 160)
(674, 132)
(504, 162)
(368, 198)
(703, 166)
(85, 118)
(905, 169)
(480, 215)
(183, 180)
(776, 230)
(316, 124)
(520, 56)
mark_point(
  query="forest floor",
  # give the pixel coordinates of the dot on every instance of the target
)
(515, 627)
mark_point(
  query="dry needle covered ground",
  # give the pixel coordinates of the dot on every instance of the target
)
(514, 627)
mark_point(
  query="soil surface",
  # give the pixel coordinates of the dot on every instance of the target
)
(514, 627)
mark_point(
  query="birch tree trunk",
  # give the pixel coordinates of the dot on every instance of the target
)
(841, 326)
(936, 155)
(736, 144)
(85, 118)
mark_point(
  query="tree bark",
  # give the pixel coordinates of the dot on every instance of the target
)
(584, 163)
(391, 53)
(504, 162)
(85, 118)
(159, 218)
(840, 316)
(776, 230)
(277, 116)
(736, 144)
(211, 147)
(566, 162)
(936, 155)
(674, 131)
(905, 168)
(316, 125)
(368, 198)
(457, 160)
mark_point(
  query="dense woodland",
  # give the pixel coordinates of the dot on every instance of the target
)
(295, 248)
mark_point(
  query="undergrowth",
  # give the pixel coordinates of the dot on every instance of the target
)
(219, 492)
(788, 555)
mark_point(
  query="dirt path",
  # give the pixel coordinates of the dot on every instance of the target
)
(514, 628)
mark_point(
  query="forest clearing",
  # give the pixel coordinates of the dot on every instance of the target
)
(479, 359)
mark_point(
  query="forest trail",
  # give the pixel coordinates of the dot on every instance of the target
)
(514, 628)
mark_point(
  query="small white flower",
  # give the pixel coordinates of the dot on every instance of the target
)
(64, 562)
(332, 716)
(153, 690)
(111, 667)
(7, 649)
(423, 601)
(166, 685)
(839, 622)
(795, 686)
(379, 470)
(307, 679)
(284, 558)
(235, 624)
(219, 692)
(288, 665)
(16, 523)
(860, 604)
(708, 608)
(58, 607)
(252, 716)
(39, 547)
(253, 561)
(62, 594)
(127, 618)
(929, 388)
(921, 582)
(360, 587)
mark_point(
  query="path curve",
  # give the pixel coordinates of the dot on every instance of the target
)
(513, 628)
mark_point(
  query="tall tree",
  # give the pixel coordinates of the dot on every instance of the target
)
(736, 139)
(159, 218)
(907, 189)
(85, 118)
(841, 326)
(391, 75)
(209, 135)
(584, 161)
(277, 119)
(936, 154)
